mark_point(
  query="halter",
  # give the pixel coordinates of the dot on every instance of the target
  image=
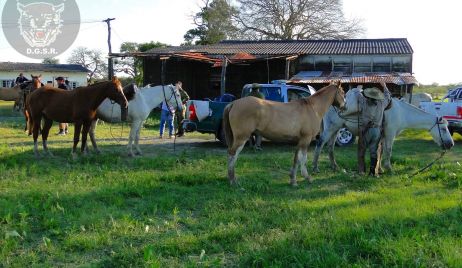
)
(171, 96)
(439, 122)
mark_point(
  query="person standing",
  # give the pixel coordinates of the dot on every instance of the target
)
(372, 104)
(63, 127)
(184, 98)
(21, 79)
(166, 116)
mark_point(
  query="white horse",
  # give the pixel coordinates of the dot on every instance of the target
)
(139, 107)
(417, 98)
(400, 116)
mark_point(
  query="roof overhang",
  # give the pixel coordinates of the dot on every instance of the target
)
(317, 77)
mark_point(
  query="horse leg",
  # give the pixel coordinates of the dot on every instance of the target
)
(131, 137)
(233, 153)
(77, 129)
(317, 152)
(92, 135)
(361, 153)
(387, 150)
(331, 147)
(303, 160)
(35, 133)
(137, 138)
(293, 171)
(85, 130)
(45, 131)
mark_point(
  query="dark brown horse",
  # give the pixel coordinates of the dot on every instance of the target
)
(77, 106)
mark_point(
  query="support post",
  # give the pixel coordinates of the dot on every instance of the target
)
(224, 65)
(110, 64)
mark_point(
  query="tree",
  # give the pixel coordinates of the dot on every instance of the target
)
(295, 19)
(50, 61)
(133, 66)
(91, 59)
(214, 23)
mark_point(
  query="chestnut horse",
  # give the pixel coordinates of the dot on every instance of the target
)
(298, 121)
(77, 106)
(24, 93)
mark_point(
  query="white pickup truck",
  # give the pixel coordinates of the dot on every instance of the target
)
(451, 110)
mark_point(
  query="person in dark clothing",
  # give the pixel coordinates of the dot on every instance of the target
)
(62, 85)
(21, 79)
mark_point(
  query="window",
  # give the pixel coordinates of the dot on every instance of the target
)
(401, 64)
(381, 64)
(296, 94)
(307, 63)
(342, 64)
(73, 84)
(362, 64)
(323, 63)
(7, 83)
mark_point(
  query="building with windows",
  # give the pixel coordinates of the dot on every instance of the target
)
(74, 73)
(211, 70)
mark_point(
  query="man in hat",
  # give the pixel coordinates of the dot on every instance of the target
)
(62, 85)
(255, 139)
(21, 79)
(372, 103)
(255, 91)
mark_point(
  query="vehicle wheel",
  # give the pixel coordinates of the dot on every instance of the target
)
(344, 137)
(221, 136)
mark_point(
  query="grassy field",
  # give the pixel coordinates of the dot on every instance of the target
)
(176, 209)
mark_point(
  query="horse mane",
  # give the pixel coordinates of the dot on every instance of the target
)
(130, 91)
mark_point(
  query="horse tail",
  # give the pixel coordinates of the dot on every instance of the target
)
(227, 126)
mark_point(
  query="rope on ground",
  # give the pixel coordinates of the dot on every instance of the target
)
(429, 165)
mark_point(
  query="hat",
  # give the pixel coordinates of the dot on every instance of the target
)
(255, 85)
(374, 93)
(59, 78)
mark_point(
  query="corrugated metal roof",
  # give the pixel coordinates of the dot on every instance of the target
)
(40, 67)
(311, 47)
(316, 77)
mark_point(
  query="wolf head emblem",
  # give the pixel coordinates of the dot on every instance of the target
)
(40, 23)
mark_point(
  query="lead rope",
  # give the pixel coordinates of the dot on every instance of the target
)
(118, 140)
(438, 158)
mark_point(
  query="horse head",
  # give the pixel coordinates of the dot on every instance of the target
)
(36, 81)
(351, 101)
(339, 98)
(173, 97)
(441, 135)
(117, 94)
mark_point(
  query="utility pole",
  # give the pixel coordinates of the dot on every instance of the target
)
(110, 64)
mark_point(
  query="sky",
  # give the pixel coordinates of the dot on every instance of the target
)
(431, 28)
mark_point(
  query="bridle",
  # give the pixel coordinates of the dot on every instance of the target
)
(439, 122)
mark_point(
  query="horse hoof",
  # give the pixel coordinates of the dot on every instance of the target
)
(309, 180)
(316, 170)
(294, 183)
(97, 151)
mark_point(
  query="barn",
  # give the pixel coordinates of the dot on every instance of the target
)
(211, 70)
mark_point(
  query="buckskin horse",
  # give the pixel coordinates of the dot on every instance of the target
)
(77, 106)
(298, 121)
(139, 107)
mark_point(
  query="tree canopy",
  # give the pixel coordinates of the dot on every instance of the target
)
(272, 19)
(91, 59)
(214, 23)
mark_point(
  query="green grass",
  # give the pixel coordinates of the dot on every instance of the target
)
(175, 208)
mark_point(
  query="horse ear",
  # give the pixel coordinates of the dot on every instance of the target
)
(40, 76)
(115, 79)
